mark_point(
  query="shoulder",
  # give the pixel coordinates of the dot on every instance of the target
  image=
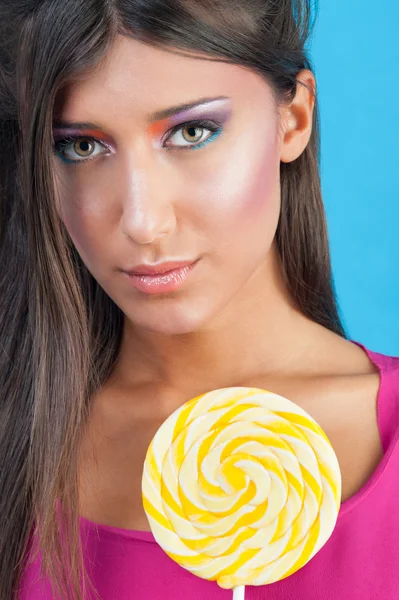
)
(384, 362)
(368, 372)
(360, 409)
(387, 367)
(343, 382)
(352, 358)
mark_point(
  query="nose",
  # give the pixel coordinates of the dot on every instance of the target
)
(148, 210)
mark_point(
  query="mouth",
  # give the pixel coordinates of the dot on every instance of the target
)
(158, 269)
(161, 278)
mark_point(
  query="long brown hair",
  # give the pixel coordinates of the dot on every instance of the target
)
(60, 333)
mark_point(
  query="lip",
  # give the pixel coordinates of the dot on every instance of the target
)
(161, 278)
(159, 268)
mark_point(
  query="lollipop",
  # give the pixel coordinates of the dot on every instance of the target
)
(241, 486)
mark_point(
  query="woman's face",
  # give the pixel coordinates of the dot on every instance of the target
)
(148, 193)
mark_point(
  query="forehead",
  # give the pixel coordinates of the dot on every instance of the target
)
(136, 78)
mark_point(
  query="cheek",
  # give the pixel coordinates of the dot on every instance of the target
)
(84, 219)
(244, 191)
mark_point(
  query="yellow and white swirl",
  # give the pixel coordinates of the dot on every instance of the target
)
(241, 486)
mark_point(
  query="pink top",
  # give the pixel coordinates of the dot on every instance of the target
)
(360, 561)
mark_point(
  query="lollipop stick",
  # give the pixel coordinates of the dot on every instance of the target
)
(239, 592)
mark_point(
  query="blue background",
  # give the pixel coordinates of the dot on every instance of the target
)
(355, 54)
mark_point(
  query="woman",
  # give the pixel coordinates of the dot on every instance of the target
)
(163, 235)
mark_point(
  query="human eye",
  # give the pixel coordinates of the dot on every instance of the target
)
(192, 132)
(77, 149)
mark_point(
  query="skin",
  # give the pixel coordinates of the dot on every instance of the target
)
(233, 321)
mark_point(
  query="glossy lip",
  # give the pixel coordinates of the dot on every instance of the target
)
(160, 279)
(159, 268)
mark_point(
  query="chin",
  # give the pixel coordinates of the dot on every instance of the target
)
(169, 320)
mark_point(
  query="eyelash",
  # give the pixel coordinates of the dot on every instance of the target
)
(62, 143)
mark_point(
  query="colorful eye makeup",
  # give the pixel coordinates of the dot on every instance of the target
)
(72, 139)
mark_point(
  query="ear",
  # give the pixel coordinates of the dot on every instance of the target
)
(297, 118)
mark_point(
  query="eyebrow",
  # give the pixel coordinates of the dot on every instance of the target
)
(155, 116)
(168, 112)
